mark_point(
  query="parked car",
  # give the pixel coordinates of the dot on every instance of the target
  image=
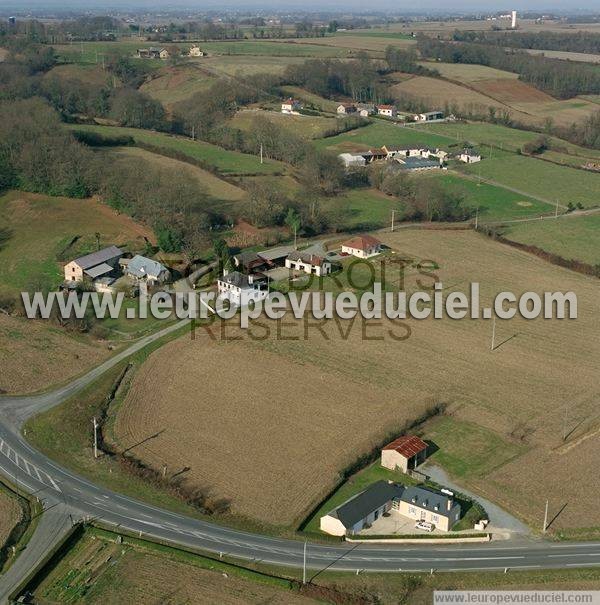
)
(425, 526)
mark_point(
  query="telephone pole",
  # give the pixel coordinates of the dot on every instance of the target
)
(95, 437)
(477, 218)
(494, 333)
(556, 211)
(393, 216)
(261, 153)
(546, 517)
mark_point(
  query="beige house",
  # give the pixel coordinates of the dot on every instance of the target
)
(404, 453)
(93, 266)
(291, 106)
(346, 108)
(424, 504)
(469, 156)
(195, 51)
(387, 110)
(309, 263)
(362, 246)
(383, 497)
(240, 289)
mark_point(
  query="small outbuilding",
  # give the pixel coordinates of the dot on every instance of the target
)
(404, 453)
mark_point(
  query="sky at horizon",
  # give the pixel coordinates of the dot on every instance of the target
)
(394, 6)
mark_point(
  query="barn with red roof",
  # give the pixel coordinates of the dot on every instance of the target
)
(404, 453)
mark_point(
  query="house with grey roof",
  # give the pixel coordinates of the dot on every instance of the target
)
(140, 268)
(383, 497)
(101, 264)
(240, 289)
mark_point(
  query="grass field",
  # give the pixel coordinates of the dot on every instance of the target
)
(218, 189)
(351, 44)
(363, 390)
(382, 133)
(494, 203)
(91, 52)
(93, 74)
(363, 209)
(174, 84)
(99, 571)
(573, 237)
(309, 97)
(308, 127)
(10, 514)
(227, 162)
(233, 65)
(539, 179)
(469, 73)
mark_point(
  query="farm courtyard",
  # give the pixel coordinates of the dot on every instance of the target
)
(284, 416)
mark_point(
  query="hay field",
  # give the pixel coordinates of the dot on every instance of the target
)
(308, 127)
(217, 188)
(97, 571)
(353, 43)
(566, 55)
(233, 65)
(10, 515)
(469, 73)
(174, 84)
(270, 423)
(42, 228)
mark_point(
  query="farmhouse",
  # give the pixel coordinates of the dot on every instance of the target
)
(365, 109)
(248, 261)
(195, 51)
(362, 246)
(361, 510)
(102, 263)
(290, 105)
(140, 268)
(309, 263)
(418, 503)
(346, 108)
(404, 453)
(429, 116)
(153, 53)
(469, 156)
(240, 289)
(387, 110)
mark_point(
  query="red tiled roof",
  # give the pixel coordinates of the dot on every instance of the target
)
(386, 107)
(362, 242)
(407, 445)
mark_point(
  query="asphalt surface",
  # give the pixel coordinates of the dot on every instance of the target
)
(68, 497)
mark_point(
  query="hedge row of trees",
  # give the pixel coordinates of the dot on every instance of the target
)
(562, 79)
(579, 41)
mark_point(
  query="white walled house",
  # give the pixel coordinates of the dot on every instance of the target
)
(469, 156)
(240, 289)
(308, 263)
(195, 51)
(346, 108)
(291, 106)
(424, 504)
(362, 246)
(387, 110)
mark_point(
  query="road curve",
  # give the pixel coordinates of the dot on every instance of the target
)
(57, 487)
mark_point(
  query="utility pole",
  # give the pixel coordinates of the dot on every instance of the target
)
(393, 216)
(477, 218)
(193, 132)
(556, 211)
(95, 437)
(304, 564)
(546, 518)
(261, 153)
(565, 423)
(494, 333)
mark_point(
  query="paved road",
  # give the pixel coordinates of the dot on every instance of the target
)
(68, 494)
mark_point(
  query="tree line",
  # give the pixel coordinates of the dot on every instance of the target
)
(578, 42)
(561, 79)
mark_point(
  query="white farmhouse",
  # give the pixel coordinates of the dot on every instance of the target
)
(469, 156)
(291, 106)
(387, 110)
(309, 263)
(195, 51)
(240, 289)
(362, 246)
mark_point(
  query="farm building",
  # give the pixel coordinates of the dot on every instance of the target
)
(387, 110)
(240, 289)
(469, 156)
(195, 51)
(361, 510)
(346, 108)
(102, 263)
(404, 453)
(362, 246)
(140, 268)
(429, 116)
(309, 263)
(291, 106)
(365, 109)
(153, 53)
(352, 160)
(418, 164)
(248, 261)
(418, 503)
